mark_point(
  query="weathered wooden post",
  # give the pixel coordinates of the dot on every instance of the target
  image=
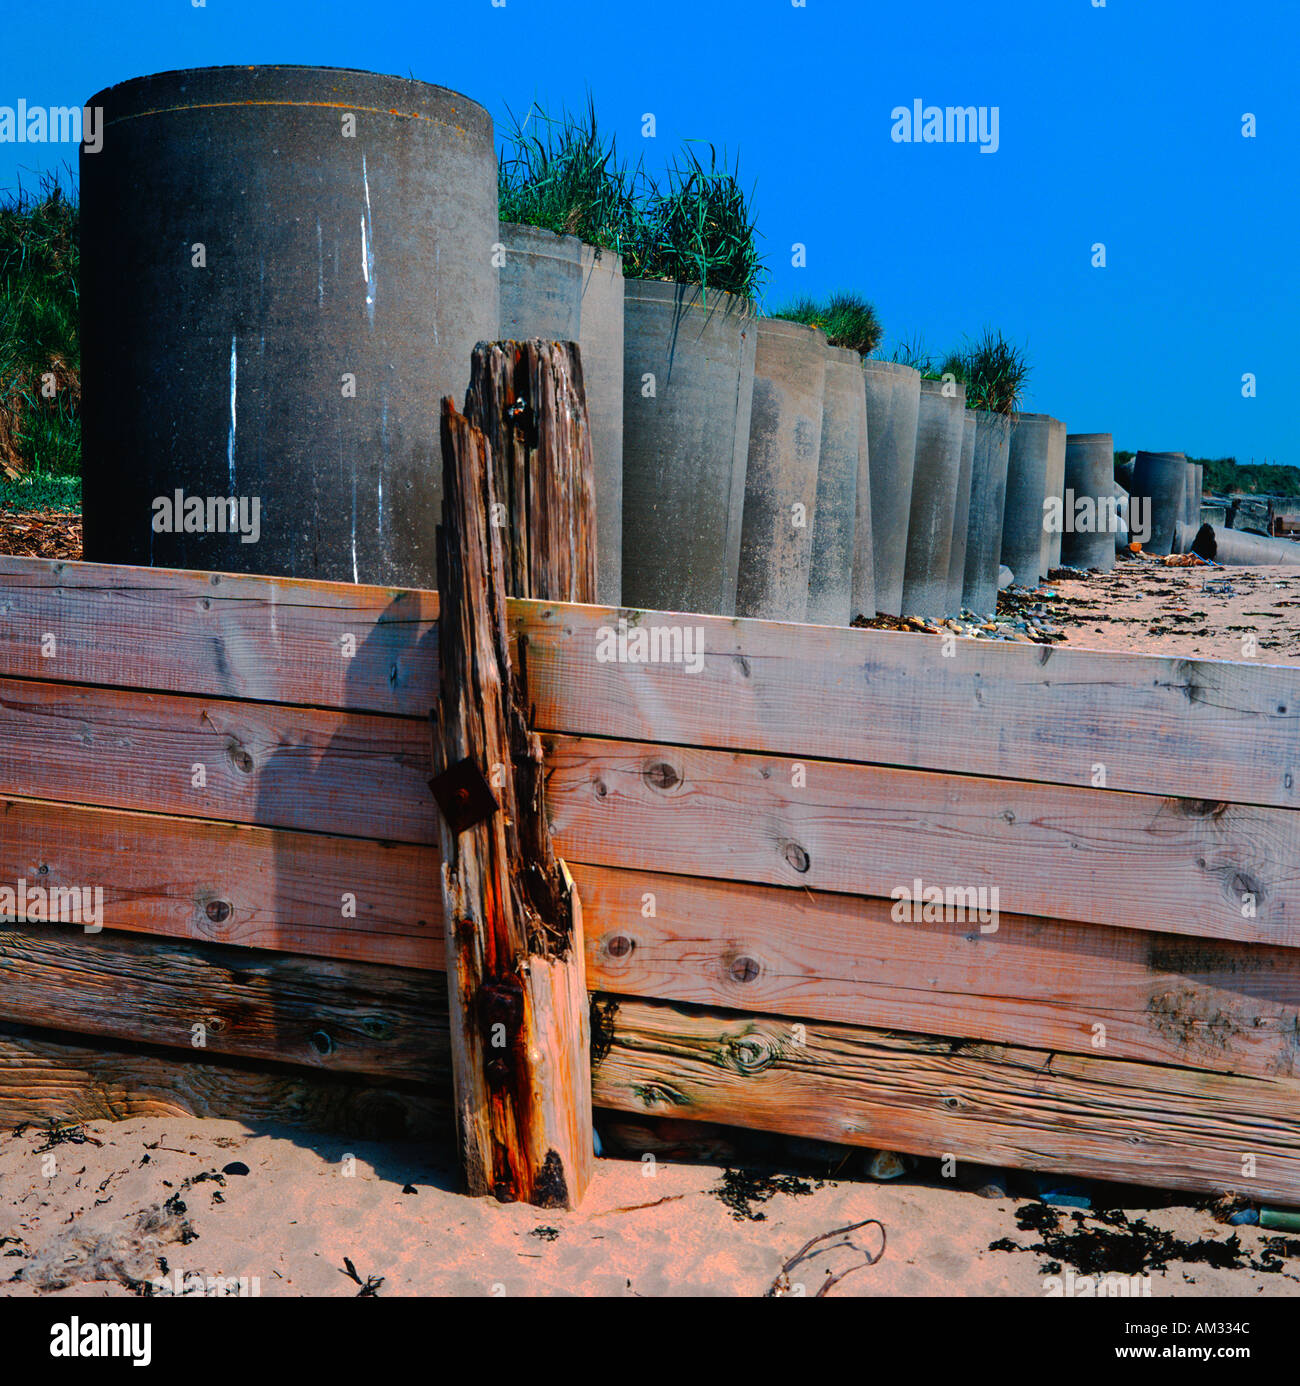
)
(518, 518)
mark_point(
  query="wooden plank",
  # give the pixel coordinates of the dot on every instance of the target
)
(993, 1104)
(520, 1037)
(1042, 983)
(1131, 860)
(220, 635)
(1203, 729)
(334, 1017)
(48, 1076)
(226, 883)
(353, 774)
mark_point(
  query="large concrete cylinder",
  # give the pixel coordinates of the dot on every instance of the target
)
(541, 284)
(785, 432)
(864, 561)
(893, 399)
(688, 380)
(1235, 549)
(284, 269)
(1160, 482)
(940, 430)
(601, 343)
(1051, 555)
(961, 516)
(1088, 540)
(1023, 544)
(841, 462)
(988, 491)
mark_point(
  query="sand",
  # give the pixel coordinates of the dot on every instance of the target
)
(108, 1216)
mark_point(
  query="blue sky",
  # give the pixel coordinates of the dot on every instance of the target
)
(1118, 124)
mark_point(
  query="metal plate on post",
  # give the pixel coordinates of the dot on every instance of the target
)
(464, 795)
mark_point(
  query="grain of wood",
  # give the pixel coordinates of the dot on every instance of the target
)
(220, 635)
(992, 1104)
(227, 883)
(351, 774)
(513, 927)
(1097, 856)
(335, 1017)
(49, 1076)
(1044, 983)
(1202, 729)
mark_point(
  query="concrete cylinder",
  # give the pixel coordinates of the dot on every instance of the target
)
(1198, 492)
(1088, 540)
(961, 517)
(1122, 536)
(785, 433)
(271, 313)
(541, 284)
(940, 430)
(1160, 483)
(893, 398)
(1023, 543)
(688, 379)
(988, 490)
(1052, 535)
(1235, 549)
(864, 562)
(841, 462)
(601, 343)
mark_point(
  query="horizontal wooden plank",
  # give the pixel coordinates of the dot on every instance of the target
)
(336, 1017)
(49, 1076)
(220, 635)
(1130, 860)
(227, 883)
(1041, 983)
(997, 1105)
(1201, 729)
(315, 770)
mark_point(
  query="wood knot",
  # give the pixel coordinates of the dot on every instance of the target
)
(751, 1053)
(659, 774)
(796, 856)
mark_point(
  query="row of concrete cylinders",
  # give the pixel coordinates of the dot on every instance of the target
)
(744, 466)
(280, 329)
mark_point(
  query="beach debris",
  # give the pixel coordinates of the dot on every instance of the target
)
(369, 1286)
(66, 1133)
(885, 1164)
(1109, 1243)
(235, 1167)
(129, 1252)
(782, 1285)
(740, 1189)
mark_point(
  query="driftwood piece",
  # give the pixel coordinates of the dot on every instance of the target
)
(517, 989)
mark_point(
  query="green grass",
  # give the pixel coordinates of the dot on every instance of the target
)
(696, 227)
(846, 318)
(40, 347)
(562, 174)
(994, 371)
(43, 492)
